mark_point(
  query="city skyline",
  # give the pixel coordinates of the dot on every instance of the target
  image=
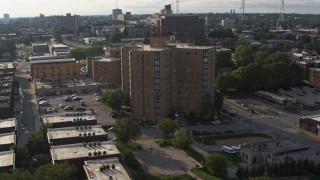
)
(20, 8)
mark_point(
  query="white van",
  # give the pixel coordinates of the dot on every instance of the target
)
(228, 149)
(236, 148)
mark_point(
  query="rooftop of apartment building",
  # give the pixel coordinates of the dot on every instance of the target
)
(6, 66)
(66, 82)
(6, 123)
(40, 44)
(66, 132)
(104, 168)
(171, 45)
(72, 151)
(58, 119)
(277, 146)
(59, 45)
(315, 69)
(52, 61)
(106, 59)
(8, 138)
(314, 117)
(7, 158)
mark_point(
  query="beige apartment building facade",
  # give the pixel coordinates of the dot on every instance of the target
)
(107, 70)
(55, 69)
(165, 78)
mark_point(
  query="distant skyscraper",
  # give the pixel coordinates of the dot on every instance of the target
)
(68, 22)
(115, 13)
(6, 18)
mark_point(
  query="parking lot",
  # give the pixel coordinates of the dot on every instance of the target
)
(100, 110)
(157, 160)
(305, 95)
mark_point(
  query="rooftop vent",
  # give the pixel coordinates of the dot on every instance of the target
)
(108, 166)
(89, 134)
(94, 144)
(113, 166)
(77, 128)
(99, 143)
(93, 134)
(80, 134)
(84, 134)
(85, 127)
(89, 154)
(81, 128)
(99, 153)
(104, 152)
(90, 144)
(95, 154)
(84, 144)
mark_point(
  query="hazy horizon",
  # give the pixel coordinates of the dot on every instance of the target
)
(32, 8)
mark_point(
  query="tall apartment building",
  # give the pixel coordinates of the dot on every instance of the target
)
(55, 69)
(107, 70)
(164, 78)
(68, 22)
(180, 25)
(6, 18)
(115, 13)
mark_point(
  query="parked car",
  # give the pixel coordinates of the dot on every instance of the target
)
(228, 131)
(98, 98)
(49, 110)
(76, 98)
(43, 103)
(68, 108)
(80, 109)
(82, 103)
(42, 99)
(215, 122)
(61, 105)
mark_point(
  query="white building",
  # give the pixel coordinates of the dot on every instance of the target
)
(6, 18)
(227, 23)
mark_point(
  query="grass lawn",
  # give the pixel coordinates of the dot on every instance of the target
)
(194, 154)
(210, 140)
(232, 159)
(204, 174)
(311, 108)
(130, 146)
(172, 177)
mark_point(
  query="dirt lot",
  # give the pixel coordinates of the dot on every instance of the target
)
(156, 160)
(100, 110)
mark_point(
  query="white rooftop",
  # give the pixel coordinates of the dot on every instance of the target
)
(92, 169)
(48, 61)
(5, 123)
(58, 119)
(7, 159)
(66, 132)
(72, 151)
(8, 138)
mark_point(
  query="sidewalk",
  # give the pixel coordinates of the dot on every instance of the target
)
(35, 110)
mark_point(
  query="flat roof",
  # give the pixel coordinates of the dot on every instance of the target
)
(59, 46)
(92, 169)
(7, 159)
(58, 119)
(5, 123)
(171, 45)
(48, 61)
(72, 151)
(108, 59)
(7, 66)
(276, 146)
(39, 44)
(313, 117)
(66, 132)
(8, 138)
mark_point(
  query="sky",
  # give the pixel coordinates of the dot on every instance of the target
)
(32, 8)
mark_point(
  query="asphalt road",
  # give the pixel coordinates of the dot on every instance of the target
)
(27, 119)
(283, 126)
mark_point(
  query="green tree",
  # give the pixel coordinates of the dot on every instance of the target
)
(240, 173)
(222, 33)
(17, 174)
(166, 127)
(38, 141)
(41, 160)
(55, 172)
(244, 54)
(94, 51)
(146, 40)
(115, 99)
(260, 57)
(181, 139)
(218, 101)
(217, 165)
(78, 53)
(22, 156)
(223, 60)
(278, 57)
(115, 37)
(126, 130)
(226, 81)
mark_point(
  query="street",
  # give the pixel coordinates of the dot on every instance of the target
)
(26, 124)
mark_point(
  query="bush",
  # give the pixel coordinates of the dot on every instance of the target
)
(217, 165)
